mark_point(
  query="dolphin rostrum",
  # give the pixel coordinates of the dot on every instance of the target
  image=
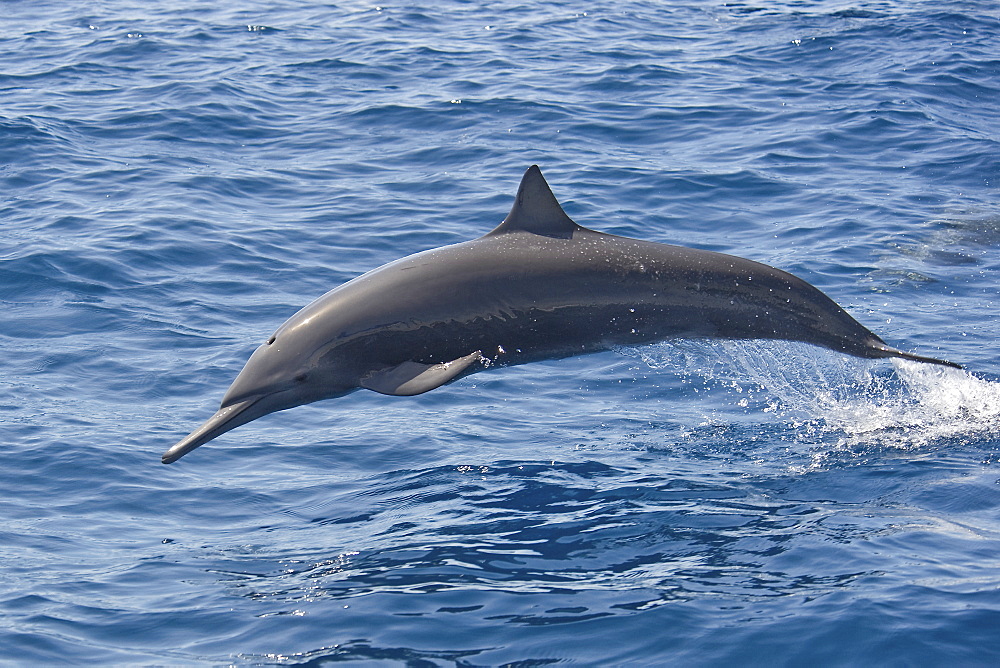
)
(539, 286)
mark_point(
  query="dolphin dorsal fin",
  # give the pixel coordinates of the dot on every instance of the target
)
(536, 210)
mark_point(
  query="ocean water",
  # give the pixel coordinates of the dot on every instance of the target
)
(176, 179)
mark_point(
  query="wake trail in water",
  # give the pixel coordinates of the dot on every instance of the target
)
(886, 403)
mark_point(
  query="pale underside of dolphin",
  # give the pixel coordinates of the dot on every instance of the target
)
(539, 286)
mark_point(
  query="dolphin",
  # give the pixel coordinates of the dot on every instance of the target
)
(539, 286)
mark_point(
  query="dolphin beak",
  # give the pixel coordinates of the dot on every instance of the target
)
(228, 417)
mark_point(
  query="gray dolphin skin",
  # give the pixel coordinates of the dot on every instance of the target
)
(539, 286)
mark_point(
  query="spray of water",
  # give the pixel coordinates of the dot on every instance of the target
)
(856, 402)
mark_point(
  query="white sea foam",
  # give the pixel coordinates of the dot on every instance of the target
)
(897, 403)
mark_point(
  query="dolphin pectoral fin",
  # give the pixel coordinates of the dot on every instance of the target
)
(410, 378)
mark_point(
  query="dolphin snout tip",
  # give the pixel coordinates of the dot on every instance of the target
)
(227, 417)
(169, 457)
(179, 450)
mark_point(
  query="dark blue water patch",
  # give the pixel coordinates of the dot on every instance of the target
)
(74, 276)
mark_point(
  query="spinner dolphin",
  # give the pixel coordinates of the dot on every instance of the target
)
(539, 286)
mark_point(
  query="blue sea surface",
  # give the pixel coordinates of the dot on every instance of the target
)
(177, 179)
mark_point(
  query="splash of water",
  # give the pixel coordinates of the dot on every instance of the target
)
(884, 403)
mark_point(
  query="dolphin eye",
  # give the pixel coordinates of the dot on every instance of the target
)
(271, 340)
(301, 378)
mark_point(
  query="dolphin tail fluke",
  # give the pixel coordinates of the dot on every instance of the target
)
(889, 351)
